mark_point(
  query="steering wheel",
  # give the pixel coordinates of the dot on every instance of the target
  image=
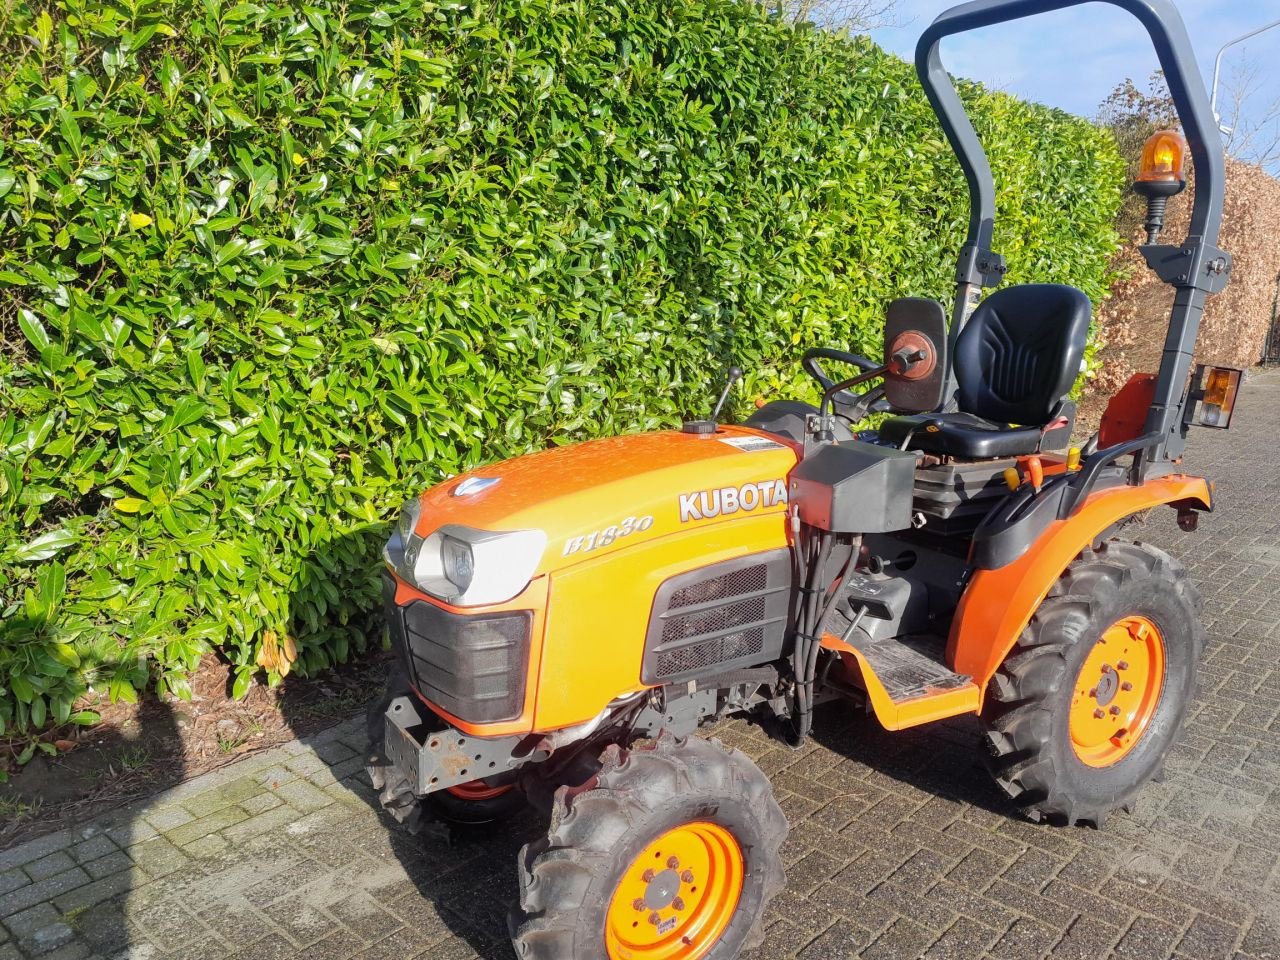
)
(850, 406)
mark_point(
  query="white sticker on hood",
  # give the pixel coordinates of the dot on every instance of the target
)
(751, 444)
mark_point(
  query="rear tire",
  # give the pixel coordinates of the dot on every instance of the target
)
(1087, 705)
(695, 797)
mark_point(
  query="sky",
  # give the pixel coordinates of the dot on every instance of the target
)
(1073, 58)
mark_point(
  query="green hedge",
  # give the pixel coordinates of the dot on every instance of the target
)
(267, 269)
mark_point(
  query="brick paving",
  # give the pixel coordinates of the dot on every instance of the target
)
(900, 848)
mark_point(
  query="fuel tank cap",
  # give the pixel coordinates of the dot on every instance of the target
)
(700, 427)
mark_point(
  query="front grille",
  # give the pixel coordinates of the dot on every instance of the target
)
(470, 665)
(728, 615)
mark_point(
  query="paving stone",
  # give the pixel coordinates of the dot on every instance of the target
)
(95, 892)
(41, 890)
(1147, 938)
(229, 794)
(841, 939)
(98, 845)
(261, 802)
(13, 879)
(49, 866)
(215, 822)
(166, 818)
(105, 866)
(26, 923)
(1024, 940)
(1208, 937)
(964, 938)
(34, 849)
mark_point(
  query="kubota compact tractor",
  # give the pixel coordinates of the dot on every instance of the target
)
(565, 621)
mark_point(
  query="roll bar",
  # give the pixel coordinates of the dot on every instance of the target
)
(1196, 267)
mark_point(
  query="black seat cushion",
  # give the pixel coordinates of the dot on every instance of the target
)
(1014, 363)
(962, 435)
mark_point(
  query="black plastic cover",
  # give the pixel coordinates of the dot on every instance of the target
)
(470, 665)
(854, 487)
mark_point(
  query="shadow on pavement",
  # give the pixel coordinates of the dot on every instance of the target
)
(82, 876)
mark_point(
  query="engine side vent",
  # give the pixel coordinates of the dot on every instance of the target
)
(731, 614)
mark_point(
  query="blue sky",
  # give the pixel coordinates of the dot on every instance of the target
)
(1073, 58)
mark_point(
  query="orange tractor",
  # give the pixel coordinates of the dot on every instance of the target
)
(565, 621)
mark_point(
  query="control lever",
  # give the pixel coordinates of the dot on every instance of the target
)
(735, 374)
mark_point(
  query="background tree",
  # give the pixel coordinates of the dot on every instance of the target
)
(856, 16)
(1251, 119)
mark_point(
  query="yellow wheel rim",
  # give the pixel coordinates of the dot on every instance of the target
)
(1117, 691)
(676, 899)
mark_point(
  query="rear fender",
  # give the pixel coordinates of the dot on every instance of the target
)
(998, 604)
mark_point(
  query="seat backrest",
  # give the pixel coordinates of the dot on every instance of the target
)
(1017, 357)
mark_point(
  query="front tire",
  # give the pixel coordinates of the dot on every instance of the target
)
(671, 854)
(1086, 707)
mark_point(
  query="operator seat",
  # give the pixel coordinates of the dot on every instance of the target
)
(1014, 362)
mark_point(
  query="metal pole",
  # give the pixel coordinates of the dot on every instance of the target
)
(1217, 64)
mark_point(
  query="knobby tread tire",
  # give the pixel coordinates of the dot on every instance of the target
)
(1029, 698)
(568, 877)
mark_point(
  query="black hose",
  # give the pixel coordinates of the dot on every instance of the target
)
(810, 630)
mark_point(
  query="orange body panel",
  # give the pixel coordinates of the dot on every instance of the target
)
(998, 604)
(601, 610)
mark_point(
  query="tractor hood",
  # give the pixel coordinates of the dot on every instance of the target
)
(604, 495)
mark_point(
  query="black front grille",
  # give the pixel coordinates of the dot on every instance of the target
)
(728, 615)
(470, 665)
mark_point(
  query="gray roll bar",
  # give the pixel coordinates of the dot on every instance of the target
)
(1196, 266)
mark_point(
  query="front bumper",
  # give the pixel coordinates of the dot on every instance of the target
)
(423, 754)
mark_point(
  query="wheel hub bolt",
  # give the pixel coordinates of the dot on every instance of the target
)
(1106, 668)
(654, 918)
(1126, 685)
(687, 876)
(673, 863)
(1098, 714)
(1122, 665)
(648, 876)
(1115, 711)
(638, 904)
(677, 904)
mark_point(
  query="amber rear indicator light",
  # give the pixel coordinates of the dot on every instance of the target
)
(1212, 398)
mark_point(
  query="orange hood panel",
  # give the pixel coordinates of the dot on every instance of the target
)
(603, 495)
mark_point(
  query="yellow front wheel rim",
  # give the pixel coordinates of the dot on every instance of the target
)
(1117, 691)
(675, 900)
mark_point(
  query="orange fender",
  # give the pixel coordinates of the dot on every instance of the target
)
(998, 604)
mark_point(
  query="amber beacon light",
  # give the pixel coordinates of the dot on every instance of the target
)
(1161, 176)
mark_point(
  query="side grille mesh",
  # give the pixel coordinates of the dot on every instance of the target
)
(710, 653)
(731, 614)
(733, 584)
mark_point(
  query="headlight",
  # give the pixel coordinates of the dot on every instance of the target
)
(461, 565)
(409, 516)
(458, 562)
